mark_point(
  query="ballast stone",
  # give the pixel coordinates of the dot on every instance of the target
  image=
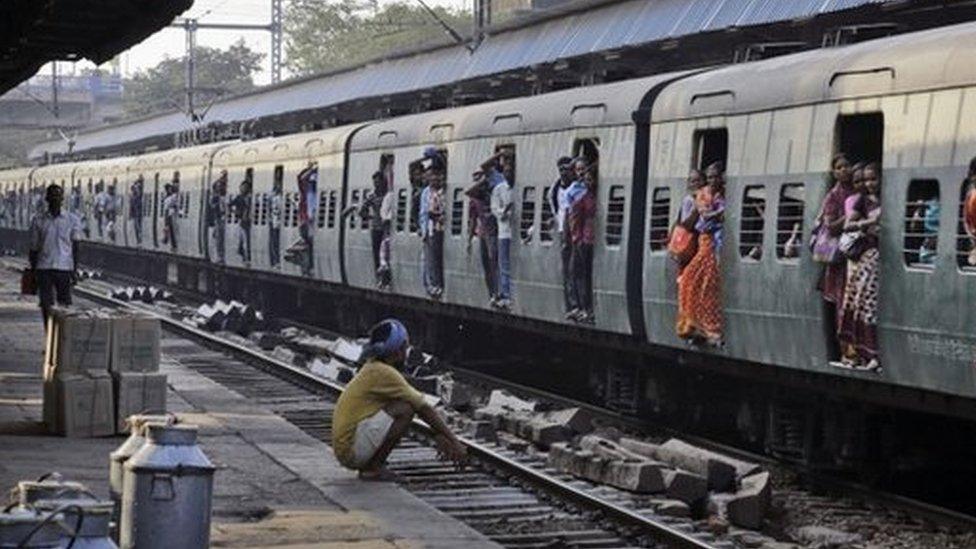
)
(685, 486)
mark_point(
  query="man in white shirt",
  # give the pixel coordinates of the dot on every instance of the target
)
(501, 208)
(53, 251)
(560, 205)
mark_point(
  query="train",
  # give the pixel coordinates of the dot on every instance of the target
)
(903, 101)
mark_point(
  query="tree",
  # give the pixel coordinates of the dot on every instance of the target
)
(321, 36)
(218, 72)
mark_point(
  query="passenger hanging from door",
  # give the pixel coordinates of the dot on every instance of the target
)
(136, 192)
(242, 204)
(436, 174)
(113, 203)
(276, 208)
(303, 250)
(217, 215)
(858, 324)
(377, 208)
(700, 284)
(171, 207)
(101, 203)
(683, 238)
(826, 244)
(497, 170)
(481, 224)
(559, 203)
(969, 211)
(582, 231)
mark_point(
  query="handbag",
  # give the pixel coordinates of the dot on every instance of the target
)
(28, 282)
(682, 244)
(825, 246)
(851, 245)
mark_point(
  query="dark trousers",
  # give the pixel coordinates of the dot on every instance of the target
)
(306, 233)
(137, 227)
(53, 284)
(376, 239)
(171, 232)
(583, 275)
(566, 255)
(435, 258)
(244, 242)
(489, 262)
(274, 245)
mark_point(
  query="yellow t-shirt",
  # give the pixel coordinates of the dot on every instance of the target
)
(376, 385)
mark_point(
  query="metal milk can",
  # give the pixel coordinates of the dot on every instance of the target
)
(117, 458)
(27, 528)
(166, 492)
(90, 530)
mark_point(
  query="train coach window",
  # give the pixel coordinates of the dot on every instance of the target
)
(527, 219)
(401, 211)
(291, 210)
(323, 209)
(660, 219)
(184, 204)
(789, 221)
(965, 242)
(616, 205)
(922, 210)
(364, 220)
(710, 146)
(333, 207)
(752, 222)
(355, 209)
(457, 212)
(545, 227)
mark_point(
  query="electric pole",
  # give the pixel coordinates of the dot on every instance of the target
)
(191, 25)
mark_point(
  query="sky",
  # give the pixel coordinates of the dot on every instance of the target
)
(170, 42)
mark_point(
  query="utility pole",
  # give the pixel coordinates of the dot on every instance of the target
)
(190, 78)
(277, 17)
(191, 25)
(56, 111)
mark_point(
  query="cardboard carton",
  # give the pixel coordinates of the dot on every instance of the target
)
(80, 405)
(138, 393)
(135, 343)
(77, 341)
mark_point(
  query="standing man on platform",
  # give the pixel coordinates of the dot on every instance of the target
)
(378, 405)
(53, 252)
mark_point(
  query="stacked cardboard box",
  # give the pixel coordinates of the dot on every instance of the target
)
(100, 368)
(78, 397)
(134, 363)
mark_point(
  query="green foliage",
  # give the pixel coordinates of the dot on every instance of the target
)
(321, 36)
(218, 72)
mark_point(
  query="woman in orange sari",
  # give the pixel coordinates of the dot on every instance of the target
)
(700, 283)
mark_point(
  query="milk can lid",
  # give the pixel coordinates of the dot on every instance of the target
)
(171, 435)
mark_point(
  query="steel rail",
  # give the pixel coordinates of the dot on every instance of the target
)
(659, 531)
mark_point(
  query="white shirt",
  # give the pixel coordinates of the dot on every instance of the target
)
(51, 237)
(171, 205)
(562, 206)
(387, 207)
(276, 209)
(501, 208)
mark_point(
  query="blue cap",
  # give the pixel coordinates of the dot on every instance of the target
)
(394, 335)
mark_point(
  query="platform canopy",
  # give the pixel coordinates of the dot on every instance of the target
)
(34, 32)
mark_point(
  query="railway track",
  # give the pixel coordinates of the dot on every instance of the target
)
(511, 495)
(511, 498)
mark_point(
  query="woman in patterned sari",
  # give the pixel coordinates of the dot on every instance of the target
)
(858, 331)
(700, 283)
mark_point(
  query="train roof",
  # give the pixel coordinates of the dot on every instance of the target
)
(303, 146)
(930, 59)
(601, 105)
(174, 158)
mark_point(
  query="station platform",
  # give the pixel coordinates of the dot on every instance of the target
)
(275, 486)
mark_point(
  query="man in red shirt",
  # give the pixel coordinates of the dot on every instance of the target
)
(582, 229)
